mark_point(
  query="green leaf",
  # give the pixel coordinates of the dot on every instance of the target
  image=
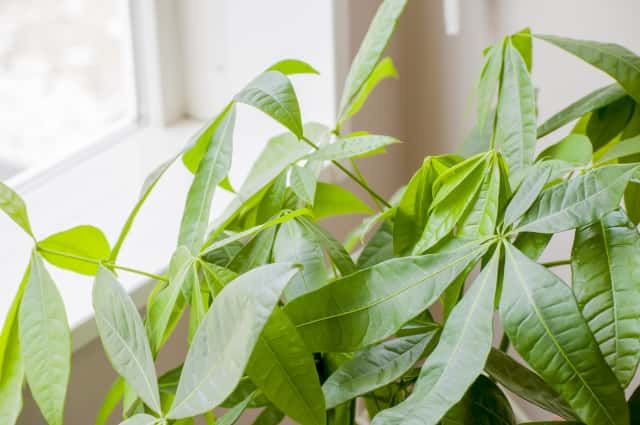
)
(303, 184)
(543, 322)
(613, 59)
(457, 360)
(526, 384)
(10, 319)
(332, 200)
(413, 208)
(294, 243)
(532, 244)
(283, 368)
(11, 375)
(82, 241)
(272, 93)
(293, 67)
(453, 178)
(274, 199)
(256, 253)
(372, 304)
(198, 305)
(607, 123)
(516, 121)
(370, 52)
(621, 149)
(352, 147)
(489, 83)
(575, 149)
(578, 201)
(163, 305)
(124, 338)
(523, 42)
(482, 215)
(337, 253)
(213, 167)
(45, 342)
(488, 405)
(383, 70)
(269, 416)
(197, 146)
(237, 316)
(375, 367)
(527, 193)
(13, 206)
(604, 261)
(110, 401)
(379, 248)
(634, 407)
(141, 419)
(232, 415)
(595, 100)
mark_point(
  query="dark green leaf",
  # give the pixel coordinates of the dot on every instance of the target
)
(13, 205)
(523, 41)
(232, 415)
(293, 67)
(82, 241)
(608, 122)
(269, 416)
(488, 405)
(256, 253)
(634, 407)
(334, 200)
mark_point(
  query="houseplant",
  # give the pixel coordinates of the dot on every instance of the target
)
(281, 316)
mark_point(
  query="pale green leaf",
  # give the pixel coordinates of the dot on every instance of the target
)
(336, 252)
(621, 149)
(141, 419)
(334, 200)
(607, 123)
(256, 253)
(196, 148)
(293, 67)
(237, 316)
(11, 375)
(110, 401)
(531, 186)
(489, 83)
(13, 205)
(482, 215)
(303, 184)
(351, 147)
(575, 149)
(379, 248)
(124, 338)
(232, 415)
(82, 241)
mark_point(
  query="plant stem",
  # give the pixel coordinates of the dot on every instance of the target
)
(352, 176)
(106, 263)
(556, 263)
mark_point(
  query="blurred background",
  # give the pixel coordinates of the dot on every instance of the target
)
(93, 94)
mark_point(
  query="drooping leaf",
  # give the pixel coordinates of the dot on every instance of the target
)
(45, 342)
(516, 121)
(578, 201)
(526, 384)
(334, 200)
(608, 122)
(543, 322)
(303, 184)
(375, 367)
(604, 263)
(83, 241)
(351, 147)
(293, 67)
(110, 401)
(451, 369)
(124, 338)
(140, 419)
(370, 52)
(379, 248)
(589, 103)
(623, 148)
(237, 316)
(283, 368)
(527, 193)
(383, 70)
(488, 405)
(481, 217)
(575, 149)
(211, 170)
(336, 252)
(13, 206)
(370, 305)
(617, 61)
(294, 244)
(272, 93)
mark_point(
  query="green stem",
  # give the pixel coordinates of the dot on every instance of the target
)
(105, 263)
(556, 263)
(352, 176)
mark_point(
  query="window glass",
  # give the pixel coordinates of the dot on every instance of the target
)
(66, 78)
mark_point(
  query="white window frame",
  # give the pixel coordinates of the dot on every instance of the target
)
(174, 80)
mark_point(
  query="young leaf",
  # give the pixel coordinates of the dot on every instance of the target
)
(543, 322)
(482, 215)
(531, 186)
(617, 61)
(212, 169)
(237, 316)
(45, 342)
(370, 52)
(457, 360)
(526, 384)
(516, 115)
(578, 201)
(372, 304)
(216, 277)
(295, 244)
(488, 83)
(293, 67)
(13, 205)
(334, 200)
(383, 70)
(523, 42)
(303, 184)
(351, 147)
(83, 241)
(337, 253)
(272, 93)
(604, 261)
(123, 337)
(375, 367)
(283, 368)
(141, 419)
(575, 149)
(379, 248)
(453, 178)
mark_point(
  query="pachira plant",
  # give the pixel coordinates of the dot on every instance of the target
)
(284, 317)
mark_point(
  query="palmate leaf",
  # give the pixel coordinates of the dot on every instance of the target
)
(237, 316)
(45, 342)
(83, 241)
(543, 322)
(283, 368)
(375, 367)
(578, 201)
(372, 304)
(255, 253)
(617, 61)
(605, 262)
(451, 368)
